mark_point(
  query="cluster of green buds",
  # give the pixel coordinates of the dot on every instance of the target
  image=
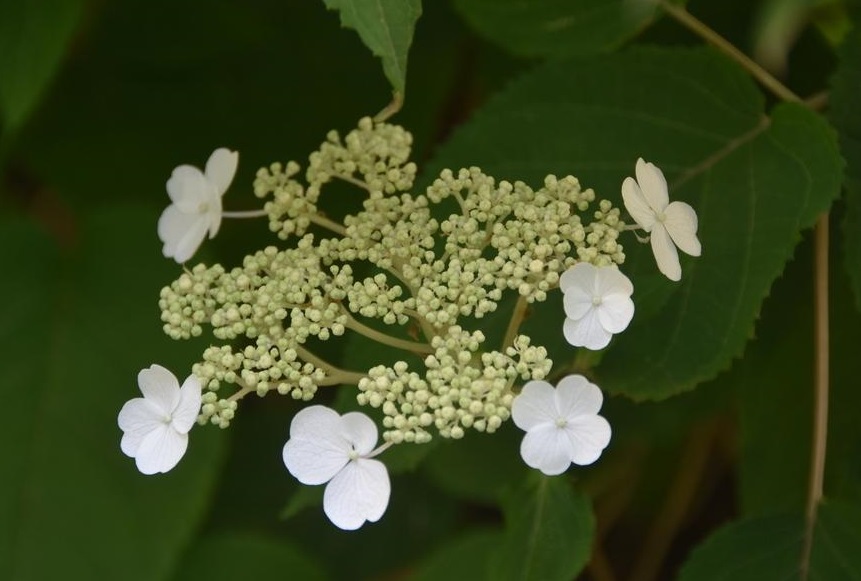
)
(415, 272)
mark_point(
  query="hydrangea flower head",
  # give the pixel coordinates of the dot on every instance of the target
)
(196, 204)
(597, 303)
(670, 225)
(327, 447)
(562, 424)
(155, 427)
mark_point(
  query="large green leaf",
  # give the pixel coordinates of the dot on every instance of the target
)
(755, 182)
(386, 27)
(229, 557)
(556, 27)
(467, 554)
(33, 40)
(846, 116)
(771, 548)
(78, 322)
(549, 532)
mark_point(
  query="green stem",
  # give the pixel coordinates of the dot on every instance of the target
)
(821, 381)
(351, 180)
(699, 28)
(328, 224)
(334, 375)
(516, 318)
(391, 108)
(385, 339)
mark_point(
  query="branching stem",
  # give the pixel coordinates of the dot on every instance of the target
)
(699, 28)
(385, 339)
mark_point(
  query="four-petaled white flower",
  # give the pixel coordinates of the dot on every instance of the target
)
(156, 425)
(669, 224)
(562, 424)
(327, 447)
(196, 207)
(597, 303)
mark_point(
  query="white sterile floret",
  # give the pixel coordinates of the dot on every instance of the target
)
(327, 447)
(669, 224)
(597, 303)
(196, 204)
(155, 427)
(562, 424)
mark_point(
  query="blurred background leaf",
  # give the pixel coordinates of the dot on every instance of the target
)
(71, 505)
(770, 548)
(34, 37)
(238, 556)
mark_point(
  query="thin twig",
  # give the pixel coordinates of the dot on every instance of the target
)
(385, 339)
(695, 25)
(820, 399)
(514, 324)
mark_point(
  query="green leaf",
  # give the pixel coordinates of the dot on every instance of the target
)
(756, 183)
(79, 322)
(467, 554)
(771, 548)
(549, 532)
(34, 36)
(478, 467)
(554, 28)
(846, 117)
(241, 556)
(386, 27)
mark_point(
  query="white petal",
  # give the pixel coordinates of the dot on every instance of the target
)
(534, 405)
(360, 430)
(191, 239)
(137, 418)
(586, 332)
(315, 419)
(546, 448)
(610, 280)
(161, 450)
(188, 408)
(636, 204)
(188, 188)
(172, 226)
(358, 493)
(576, 396)
(221, 167)
(213, 216)
(665, 253)
(577, 303)
(615, 313)
(653, 185)
(580, 276)
(681, 224)
(160, 387)
(587, 436)
(317, 448)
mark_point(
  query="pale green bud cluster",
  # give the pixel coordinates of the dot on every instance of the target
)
(461, 388)
(437, 259)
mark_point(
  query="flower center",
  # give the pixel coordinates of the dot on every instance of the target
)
(660, 217)
(203, 207)
(561, 422)
(597, 300)
(167, 418)
(352, 454)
